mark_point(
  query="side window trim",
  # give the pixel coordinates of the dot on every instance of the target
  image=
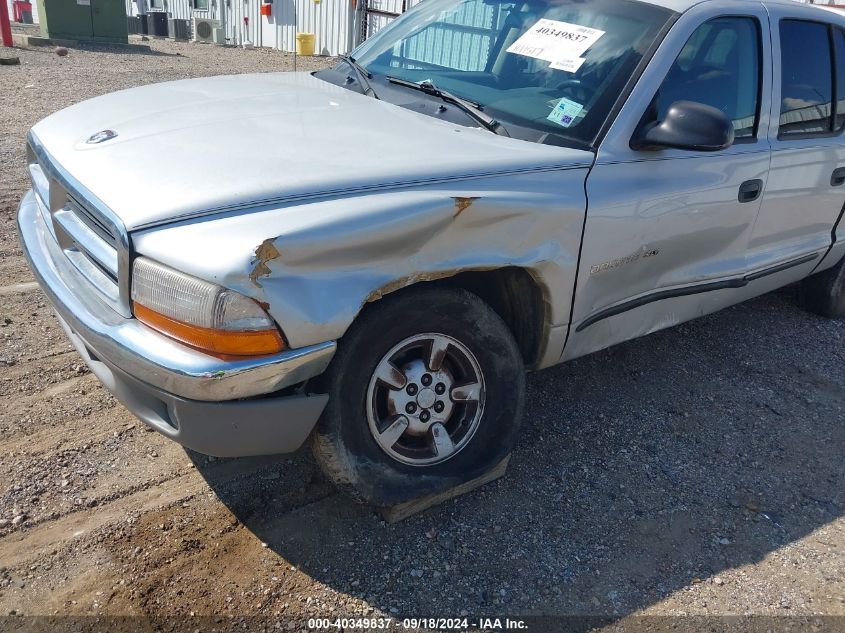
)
(758, 27)
(835, 69)
(760, 68)
(834, 94)
(832, 132)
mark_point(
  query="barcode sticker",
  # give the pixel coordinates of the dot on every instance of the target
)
(564, 112)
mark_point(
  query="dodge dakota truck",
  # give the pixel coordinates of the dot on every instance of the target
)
(370, 257)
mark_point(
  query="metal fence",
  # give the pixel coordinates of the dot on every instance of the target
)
(461, 40)
(376, 14)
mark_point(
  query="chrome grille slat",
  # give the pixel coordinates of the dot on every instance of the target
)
(94, 274)
(40, 184)
(87, 240)
(93, 222)
(41, 187)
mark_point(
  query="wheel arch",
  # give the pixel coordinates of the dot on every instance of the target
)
(516, 294)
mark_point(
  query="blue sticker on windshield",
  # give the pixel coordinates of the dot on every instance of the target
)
(564, 112)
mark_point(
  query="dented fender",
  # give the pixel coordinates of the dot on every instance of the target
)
(315, 264)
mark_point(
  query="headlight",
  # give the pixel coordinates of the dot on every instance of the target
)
(201, 314)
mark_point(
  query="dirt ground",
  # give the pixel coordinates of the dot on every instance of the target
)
(696, 472)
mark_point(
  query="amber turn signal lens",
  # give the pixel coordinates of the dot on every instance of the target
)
(218, 342)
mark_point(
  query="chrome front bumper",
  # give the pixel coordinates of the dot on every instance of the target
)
(190, 396)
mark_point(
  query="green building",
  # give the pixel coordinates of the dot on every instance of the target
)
(91, 20)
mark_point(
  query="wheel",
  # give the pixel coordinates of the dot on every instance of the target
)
(824, 293)
(425, 392)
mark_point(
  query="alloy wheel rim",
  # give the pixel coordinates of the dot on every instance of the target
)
(425, 399)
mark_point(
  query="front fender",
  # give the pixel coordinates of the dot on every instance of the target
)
(315, 264)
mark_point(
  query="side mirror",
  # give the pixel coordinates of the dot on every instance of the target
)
(688, 125)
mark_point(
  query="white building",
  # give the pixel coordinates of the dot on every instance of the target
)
(338, 25)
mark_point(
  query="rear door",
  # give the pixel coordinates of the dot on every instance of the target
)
(667, 231)
(806, 189)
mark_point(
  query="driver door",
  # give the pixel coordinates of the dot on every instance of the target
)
(667, 231)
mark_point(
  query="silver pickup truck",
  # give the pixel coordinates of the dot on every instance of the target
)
(372, 255)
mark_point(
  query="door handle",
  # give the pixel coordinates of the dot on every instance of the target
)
(750, 190)
(837, 178)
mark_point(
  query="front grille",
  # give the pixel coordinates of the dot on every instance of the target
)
(94, 222)
(91, 238)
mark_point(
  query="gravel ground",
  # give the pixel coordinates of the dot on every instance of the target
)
(696, 472)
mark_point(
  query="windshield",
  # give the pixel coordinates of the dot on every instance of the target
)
(555, 66)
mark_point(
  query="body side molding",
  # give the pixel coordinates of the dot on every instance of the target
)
(683, 291)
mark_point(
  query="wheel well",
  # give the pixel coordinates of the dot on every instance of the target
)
(515, 296)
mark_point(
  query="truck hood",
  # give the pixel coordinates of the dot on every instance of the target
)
(198, 146)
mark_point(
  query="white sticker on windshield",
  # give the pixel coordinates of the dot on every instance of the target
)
(570, 64)
(553, 41)
(564, 112)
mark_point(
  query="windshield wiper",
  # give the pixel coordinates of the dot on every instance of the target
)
(361, 74)
(473, 110)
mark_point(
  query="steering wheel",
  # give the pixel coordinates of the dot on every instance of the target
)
(575, 89)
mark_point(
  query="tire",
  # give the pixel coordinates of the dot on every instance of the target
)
(824, 293)
(361, 405)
